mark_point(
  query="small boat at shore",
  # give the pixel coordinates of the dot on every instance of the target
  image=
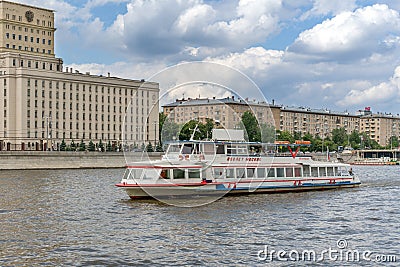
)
(225, 167)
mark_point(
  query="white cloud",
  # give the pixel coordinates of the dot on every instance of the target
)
(378, 94)
(180, 30)
(252, 61)
(329, 7)
(350, 35)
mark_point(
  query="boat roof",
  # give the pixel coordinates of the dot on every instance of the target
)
(233, 142)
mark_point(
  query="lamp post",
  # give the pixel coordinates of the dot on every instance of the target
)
(155, 134)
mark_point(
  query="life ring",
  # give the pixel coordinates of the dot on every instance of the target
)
(186, 157)
(180, 157)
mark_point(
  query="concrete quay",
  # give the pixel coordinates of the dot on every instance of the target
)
(26, 160)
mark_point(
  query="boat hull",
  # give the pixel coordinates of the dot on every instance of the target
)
(222, 189)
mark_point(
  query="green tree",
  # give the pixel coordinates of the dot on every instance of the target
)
(82, 146)
(91, 146)
(149, 148)
(297, 136)
(168, 130)
(159, 147)
(286, 136)
(73, 145)
(109, 146)
(101, 146)
(339, 136)
(393, 142)
(161, 120)
(251, 127)
(208, 127)
(187, 131)
(63, 145)
(267, 133)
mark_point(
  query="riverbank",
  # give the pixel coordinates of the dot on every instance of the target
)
(27, 160)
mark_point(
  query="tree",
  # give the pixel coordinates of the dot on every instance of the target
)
(355, 140)
(286, 136)
(251, 127)
(63, 145)
(149, 148)
(208, 127)
(191, 127)
(339, 136)
(109, 146)
(159, 147)
(267, 133)
(101, 146)
(161, 120)
(82, 146)
(91, 146)
(393, 142)
(73, 145)
(168, 130)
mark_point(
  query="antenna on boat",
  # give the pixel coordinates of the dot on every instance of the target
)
(194, 131)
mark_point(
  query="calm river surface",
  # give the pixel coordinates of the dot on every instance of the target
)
(79, 218)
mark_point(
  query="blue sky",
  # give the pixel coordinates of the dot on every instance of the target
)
(335, 54)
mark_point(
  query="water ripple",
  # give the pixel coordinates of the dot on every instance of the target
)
(78, 218)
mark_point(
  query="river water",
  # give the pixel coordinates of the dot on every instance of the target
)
(79, 218)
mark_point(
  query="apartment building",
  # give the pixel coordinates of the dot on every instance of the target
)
(321, 122)
(42, 102)
(381, 127)
(224, 111)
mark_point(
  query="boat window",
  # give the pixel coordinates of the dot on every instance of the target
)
(314, 171)
(127, 174)
(230, 173)
(241, 149)
(241, 172)
(218, 172)
(165, 174)
(231, 150)
(297, 172)
(261, 172)
(175, 148)
(271, 173)
(336, 170)
(306, 170)
(289, 172)
(220, 149)
(280, 172)
(137, 173)
(179, 174)
(250, 172)
(193, 173)
(236, 149)
(150, 173)
(209, 149)
(187, 149)
(322, 171)
(330, 171)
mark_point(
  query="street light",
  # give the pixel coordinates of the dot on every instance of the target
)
(155, 133)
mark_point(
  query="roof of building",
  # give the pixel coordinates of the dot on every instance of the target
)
(214, 101)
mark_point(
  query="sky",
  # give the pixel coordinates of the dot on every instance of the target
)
(341, 55)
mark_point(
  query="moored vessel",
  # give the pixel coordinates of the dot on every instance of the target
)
(221, 167)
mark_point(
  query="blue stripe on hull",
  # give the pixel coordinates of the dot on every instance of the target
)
(305, 186)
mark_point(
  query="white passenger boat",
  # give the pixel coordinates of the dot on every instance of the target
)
(219, 167)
